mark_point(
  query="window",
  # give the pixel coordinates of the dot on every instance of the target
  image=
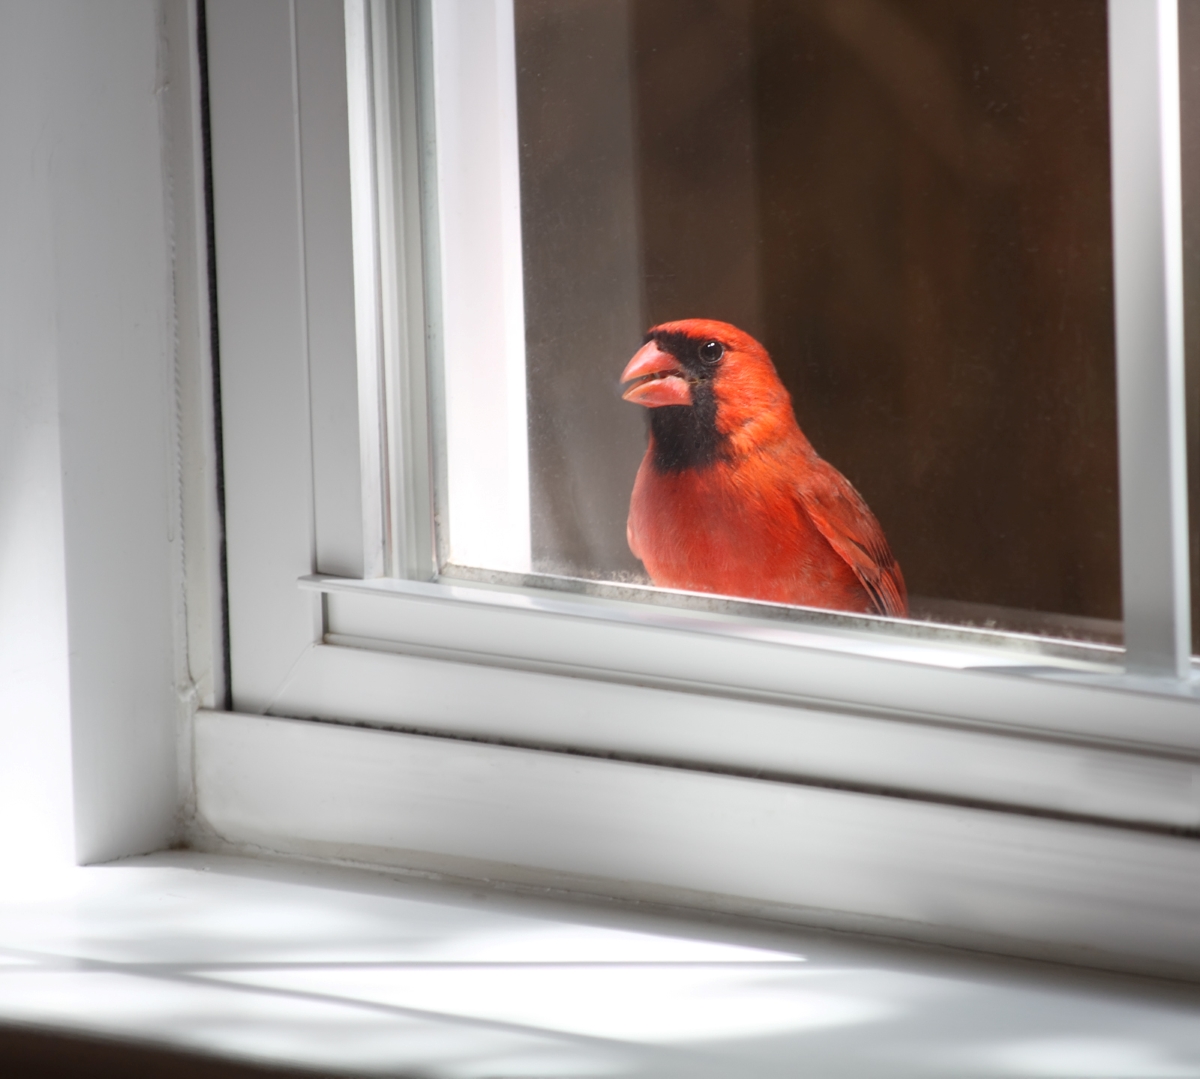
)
(934, 281)
(941, 262)
(909, 203)
(384, 317)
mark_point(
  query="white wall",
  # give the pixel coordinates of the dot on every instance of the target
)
(87, 540)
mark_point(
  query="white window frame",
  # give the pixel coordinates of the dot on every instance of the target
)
(547, 736)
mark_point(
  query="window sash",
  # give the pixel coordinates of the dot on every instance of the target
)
(463, 50)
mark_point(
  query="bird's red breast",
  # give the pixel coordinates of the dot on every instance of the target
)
(731, 497)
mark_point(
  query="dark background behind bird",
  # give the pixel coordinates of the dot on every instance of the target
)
(907, 201)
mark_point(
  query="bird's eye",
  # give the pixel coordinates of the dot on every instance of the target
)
(711, 351)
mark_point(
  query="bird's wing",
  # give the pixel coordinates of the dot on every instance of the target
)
(843, 518)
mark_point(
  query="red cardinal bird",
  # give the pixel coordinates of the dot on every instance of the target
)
(731, 497)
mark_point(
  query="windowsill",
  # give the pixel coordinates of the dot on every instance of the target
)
(338, 969)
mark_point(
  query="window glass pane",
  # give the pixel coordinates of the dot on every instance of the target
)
(907, 202)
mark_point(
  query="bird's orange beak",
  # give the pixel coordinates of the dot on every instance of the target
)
(657, 377)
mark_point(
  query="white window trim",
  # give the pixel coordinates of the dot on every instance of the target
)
(687, 694)
(1148, 264)
(999, 882)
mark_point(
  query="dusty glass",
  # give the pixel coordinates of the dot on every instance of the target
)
(907, 202)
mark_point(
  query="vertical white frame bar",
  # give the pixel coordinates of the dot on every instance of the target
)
(481, 285)
(390, 318)
(368, 301)
(1148, 261)
(404, 273)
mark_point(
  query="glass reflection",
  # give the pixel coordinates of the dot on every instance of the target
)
(907, 202)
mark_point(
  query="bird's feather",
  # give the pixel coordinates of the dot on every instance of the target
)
(844, 519)
(731, 497)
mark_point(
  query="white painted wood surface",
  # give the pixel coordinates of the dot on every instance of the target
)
(89, 527)
(347, 972)
(1148, 264)
(262, 294)
(754, 737)
(997, 881)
